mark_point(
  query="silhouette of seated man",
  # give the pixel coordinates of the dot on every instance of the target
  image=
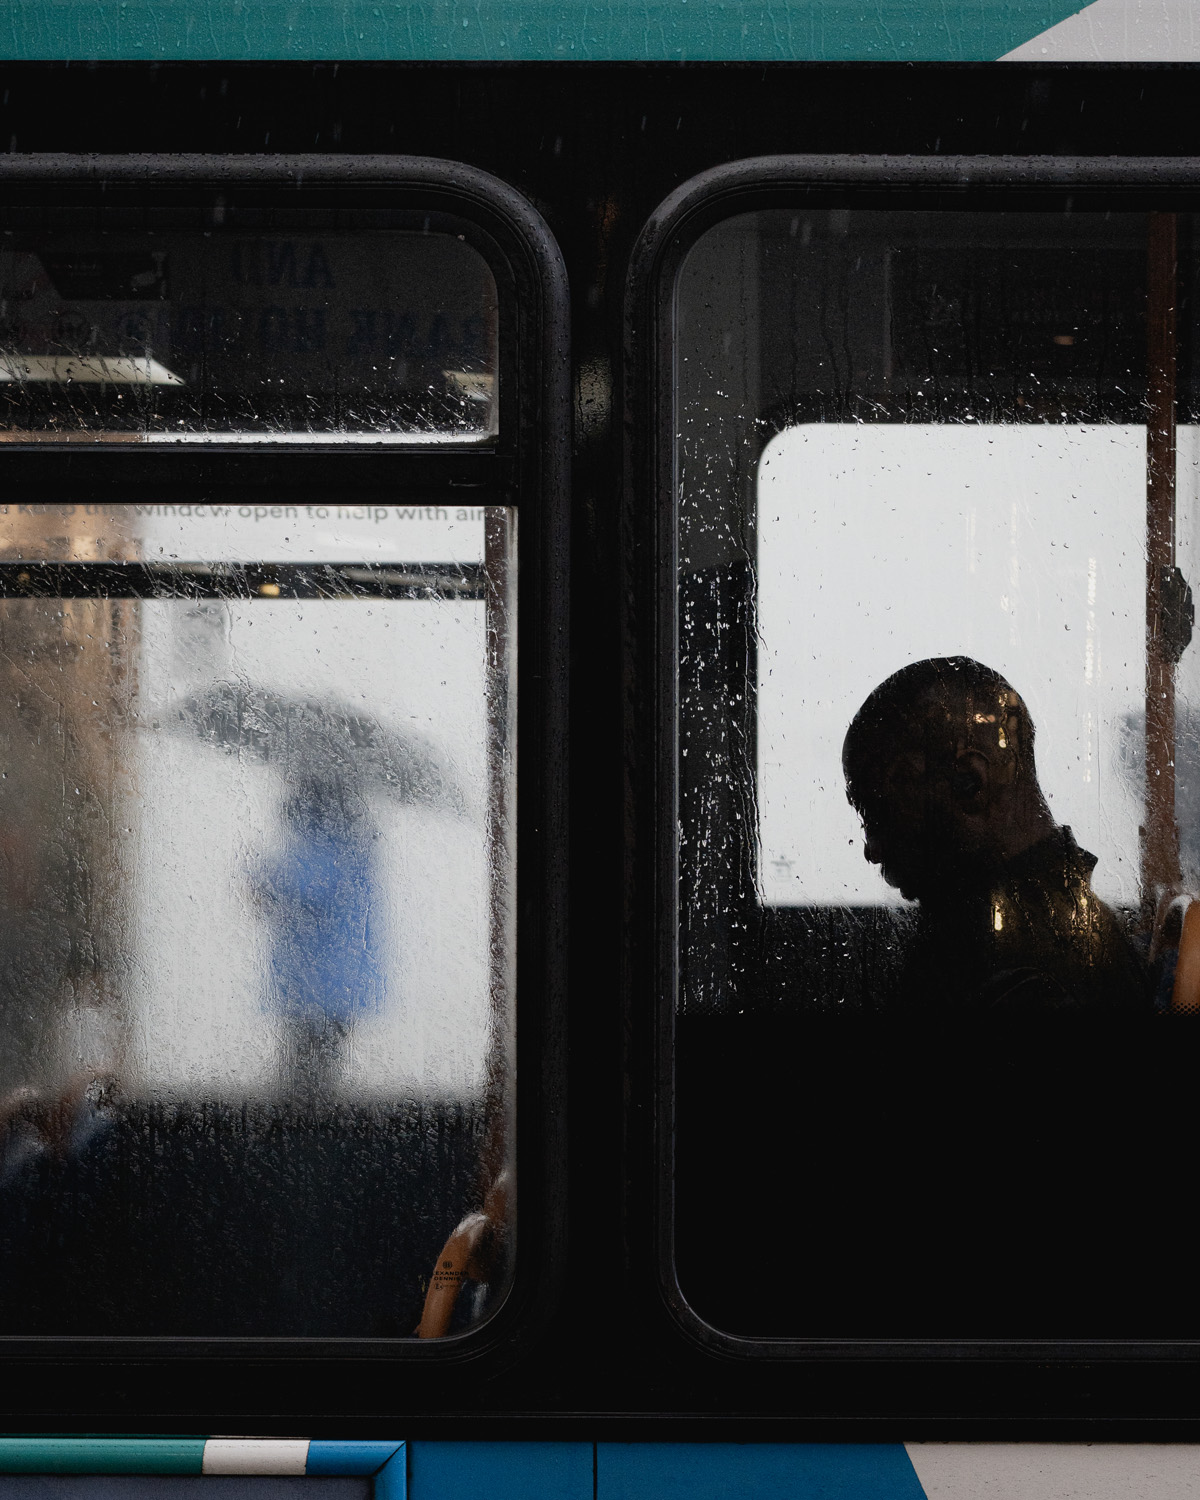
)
(939, 765)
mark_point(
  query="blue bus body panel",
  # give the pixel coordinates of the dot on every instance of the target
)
(662, 1471)
(764, 1471)
(500, 1471)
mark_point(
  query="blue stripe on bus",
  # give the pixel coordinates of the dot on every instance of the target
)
(326, 1457)
(524, 30)
(185, 1455)
(100, 1455)
(391, 1483)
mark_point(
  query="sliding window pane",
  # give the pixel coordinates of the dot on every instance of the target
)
(937, 769)
(256, 951)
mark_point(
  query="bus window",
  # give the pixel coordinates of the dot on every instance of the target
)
(257, 790)
(936, 755)
(175, 337)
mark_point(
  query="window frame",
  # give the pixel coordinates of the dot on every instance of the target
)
(527, 468)
(651, 518)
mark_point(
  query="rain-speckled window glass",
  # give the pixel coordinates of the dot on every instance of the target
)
(938, 770)
(186, 337)
(256, 918)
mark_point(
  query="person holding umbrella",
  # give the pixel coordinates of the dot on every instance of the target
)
(320, 893)
(320, 897)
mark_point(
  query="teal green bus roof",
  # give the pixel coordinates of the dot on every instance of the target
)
(523, 30)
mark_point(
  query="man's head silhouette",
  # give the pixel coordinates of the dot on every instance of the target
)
(939, 765)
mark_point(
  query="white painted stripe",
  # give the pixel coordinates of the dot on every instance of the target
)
(1119, 31)
(85, 369)
(255, 1455)
(1057, 1471)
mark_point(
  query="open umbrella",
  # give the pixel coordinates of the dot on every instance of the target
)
(318, 740)
(319, 891)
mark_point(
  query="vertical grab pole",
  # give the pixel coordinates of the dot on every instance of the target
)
(1160, 832)
(499, 528)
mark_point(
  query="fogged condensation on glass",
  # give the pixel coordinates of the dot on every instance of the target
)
(256, 927)
(185, 337)
(1187, 680)
(904, 436)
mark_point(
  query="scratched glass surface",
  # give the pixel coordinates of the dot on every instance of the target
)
(256, 947)
(904, 436)
(178, 337)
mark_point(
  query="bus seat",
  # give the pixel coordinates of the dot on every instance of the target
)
(455, 1266)
(474, 1252)
(1185, 992)
(1175, 952)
